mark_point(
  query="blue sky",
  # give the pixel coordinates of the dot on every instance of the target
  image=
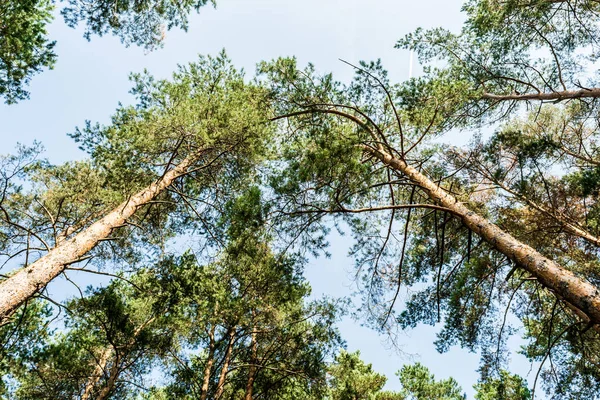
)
(90, 78)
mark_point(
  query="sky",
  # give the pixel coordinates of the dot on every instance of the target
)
(91, 78)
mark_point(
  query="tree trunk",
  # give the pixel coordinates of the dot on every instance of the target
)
(33, 278)
(252, 370)
(564, 283)
(112, 379)
(97, 374)
(225, 368)
(103, 361)
(209, 363)
(558, 96)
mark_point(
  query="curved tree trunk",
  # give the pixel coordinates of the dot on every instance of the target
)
(33, 278)
(577, 292)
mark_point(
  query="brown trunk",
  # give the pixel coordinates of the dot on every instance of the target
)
(576, 291)
(225, 369)
(252, 369)
(33, 278)
(97, 374)
(563, 95)
(209, 363)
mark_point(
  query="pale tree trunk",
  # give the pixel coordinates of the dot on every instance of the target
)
(97, 374)
(558, 96)
(114, 372)
(225, 368)
(33, 278)
(253, 368)
(112, 379)
(209, 363)
(577, 292)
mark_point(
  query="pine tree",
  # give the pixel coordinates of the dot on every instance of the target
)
(186, 139)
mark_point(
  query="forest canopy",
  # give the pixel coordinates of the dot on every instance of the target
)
(26, 49)
(197, 208)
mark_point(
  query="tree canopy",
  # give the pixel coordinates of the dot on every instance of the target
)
(502, 227)
(201, 204)
(26, 49)
(24, 46)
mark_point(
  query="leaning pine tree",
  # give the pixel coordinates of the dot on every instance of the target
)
(186, 139)
(366, 151)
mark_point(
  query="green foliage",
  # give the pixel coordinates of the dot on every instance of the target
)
(506, 48)
(114, 335)
(352, 379)
(536, 178)
(390, 248)
(419, 384)
(246, 318)
(252, 194)
(206, 109)
(505, 387)
(22, 343)
(25, 49)
(143, 23)
(206, 114)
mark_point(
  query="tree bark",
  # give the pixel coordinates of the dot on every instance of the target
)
(252, 370)
(112, 379)
(97, 374)
(561, 95)
(225, 368)
(33, 278)
(103, 361)
(573, 289)
(209, 363)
